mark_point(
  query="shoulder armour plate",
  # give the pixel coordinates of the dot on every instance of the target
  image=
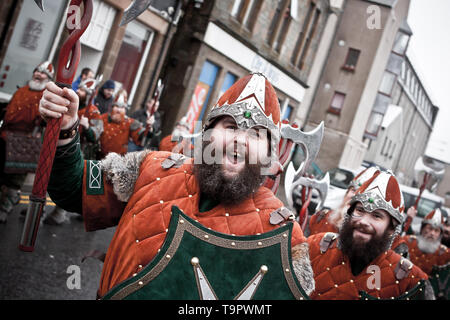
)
(403, 268)
(327, 240)
(281, 215)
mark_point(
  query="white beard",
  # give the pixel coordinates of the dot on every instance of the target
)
(427, 246)
(36, 85)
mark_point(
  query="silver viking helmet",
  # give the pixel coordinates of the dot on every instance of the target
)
(47, 68)
(251, 102)
(363, 176)
(435, 218)
(381, 191)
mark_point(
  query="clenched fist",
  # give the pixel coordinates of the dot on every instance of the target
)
(56, 103)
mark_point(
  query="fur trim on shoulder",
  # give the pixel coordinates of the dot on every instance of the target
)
(302, 267)
(123, 171)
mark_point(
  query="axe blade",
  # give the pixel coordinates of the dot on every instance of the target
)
(309, 141)
(420, 169)
(134, 10)
(320, 185)
(40, 4)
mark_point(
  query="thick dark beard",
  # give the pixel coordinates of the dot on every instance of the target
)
(361, 254)
(228, 191)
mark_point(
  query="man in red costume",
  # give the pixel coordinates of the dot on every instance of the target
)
(22, 117)
(426, 250)
(138, 190)
(118, 128)
(357, 263)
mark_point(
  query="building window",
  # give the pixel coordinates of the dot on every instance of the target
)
(246, 12)
(309, 37)
(281, 20)
(387, 83)
(374, 124)
(302, 35)
(337, 103)
(352, 59)
(238, 9)
(401, 43)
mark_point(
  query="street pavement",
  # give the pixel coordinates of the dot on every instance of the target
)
(50, 272)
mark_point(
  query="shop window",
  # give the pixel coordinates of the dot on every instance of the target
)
(229, 80)
(287, 112)
(132, 54)
(202, 92)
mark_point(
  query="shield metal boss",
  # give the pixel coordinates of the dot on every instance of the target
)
(439, 280)
(198, 263)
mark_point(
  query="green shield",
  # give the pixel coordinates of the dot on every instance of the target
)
(198, 263)
(439, 279)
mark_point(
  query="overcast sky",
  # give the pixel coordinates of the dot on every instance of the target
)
(429, 51)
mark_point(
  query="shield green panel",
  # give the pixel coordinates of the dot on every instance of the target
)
(439, 279)
(198, 263)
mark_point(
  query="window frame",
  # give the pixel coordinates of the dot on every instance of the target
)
(334, 110)
(348, 67)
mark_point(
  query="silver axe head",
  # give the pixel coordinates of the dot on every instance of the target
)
(40, 4)
(320, 185)
(134, 10)
(309, 141)
(436, 173)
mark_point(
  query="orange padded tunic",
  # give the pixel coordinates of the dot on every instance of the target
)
(115, 136)
(144, 222)
(22, 113)
(334, 278)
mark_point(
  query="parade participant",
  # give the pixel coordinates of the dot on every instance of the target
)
(86, 73)
(330, 220)
(151, 117)
(105, 97)
(21, 118)
(138, 191)
(426, 250)
(118, 128)
(176, 142)
(358, 263)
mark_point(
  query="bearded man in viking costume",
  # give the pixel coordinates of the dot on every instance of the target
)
(22, 127)
(358, 263)
(425, 249)
(220, 187)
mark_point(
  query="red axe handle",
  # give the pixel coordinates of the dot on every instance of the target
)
(68, 60)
